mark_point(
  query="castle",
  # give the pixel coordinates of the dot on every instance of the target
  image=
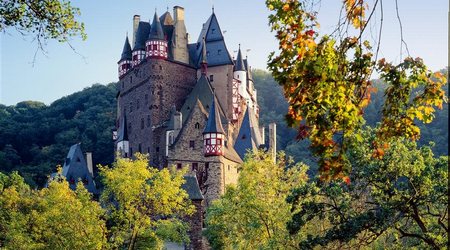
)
(187, 104)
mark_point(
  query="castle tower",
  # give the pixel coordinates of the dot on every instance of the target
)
(240, 74)
(156, 45)
(125, 59)
(213, 135)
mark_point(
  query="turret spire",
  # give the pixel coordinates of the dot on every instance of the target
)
(213, 135)
(156, 44)
(156, 31)
(239, 65)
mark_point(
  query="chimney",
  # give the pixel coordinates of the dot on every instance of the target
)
(262, 130)
(178, 13)
(136, 20)
(89, 162)
(177, 120)
(273, 141)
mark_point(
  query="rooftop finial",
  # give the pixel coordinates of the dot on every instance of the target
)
(213, 9)
(167, 8)
(239, 46)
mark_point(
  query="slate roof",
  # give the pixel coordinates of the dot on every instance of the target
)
(126, 52)
(214, 124)
(142, 33)
(214, 42)
(156, 30)
(75, 168)
(239, 66)
(123, 130)
(249, 137)
(204, 93)
(192, 188)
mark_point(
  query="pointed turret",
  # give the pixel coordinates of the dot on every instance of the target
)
(213, 135)
(123, 147)
(125, 59)
(156, 31)
(156, 45)
(239, 65)
(204, 61)
(240, 74)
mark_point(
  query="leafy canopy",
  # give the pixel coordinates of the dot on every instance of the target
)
(325, 78)
(50, 19)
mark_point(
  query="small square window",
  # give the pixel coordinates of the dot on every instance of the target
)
(179, 166)
(192, 144)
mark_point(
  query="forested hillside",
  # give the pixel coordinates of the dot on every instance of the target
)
(274, 107)
(34, 138)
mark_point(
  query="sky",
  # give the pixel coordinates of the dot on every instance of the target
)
(61, 71)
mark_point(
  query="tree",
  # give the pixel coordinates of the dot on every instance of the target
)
(326, 81)
(51, 218)
(397, 201)
(253, 214)
(144, 205)
(50, 19)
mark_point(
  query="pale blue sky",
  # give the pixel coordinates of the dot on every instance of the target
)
(63, 72)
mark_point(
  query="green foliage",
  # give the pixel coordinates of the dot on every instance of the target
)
(253, 214)
(397, 201)
(326, 82)
(144, 205)
(50, 19)
(52, 218)
(34, 138)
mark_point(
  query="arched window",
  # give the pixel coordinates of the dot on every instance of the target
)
(197, 125)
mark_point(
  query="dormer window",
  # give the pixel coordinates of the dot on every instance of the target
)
(213, 31)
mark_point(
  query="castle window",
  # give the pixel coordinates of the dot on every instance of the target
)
(148, 120)
(140, 149)
(225, 143)
(192, 144)
(211, 78)
(229, 167)
(142, 123)
(219, 52)
(146, 98)
(131, 107)
(129, 127)
(179, 166)
(131, 151)
(213, 31)
(148, 150)
(194, 166)
(197, 125)
(157, 149)
(155, 47)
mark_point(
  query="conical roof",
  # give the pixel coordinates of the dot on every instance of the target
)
(156, 31)
(239, 66)
(214, 124)
(126, 52)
